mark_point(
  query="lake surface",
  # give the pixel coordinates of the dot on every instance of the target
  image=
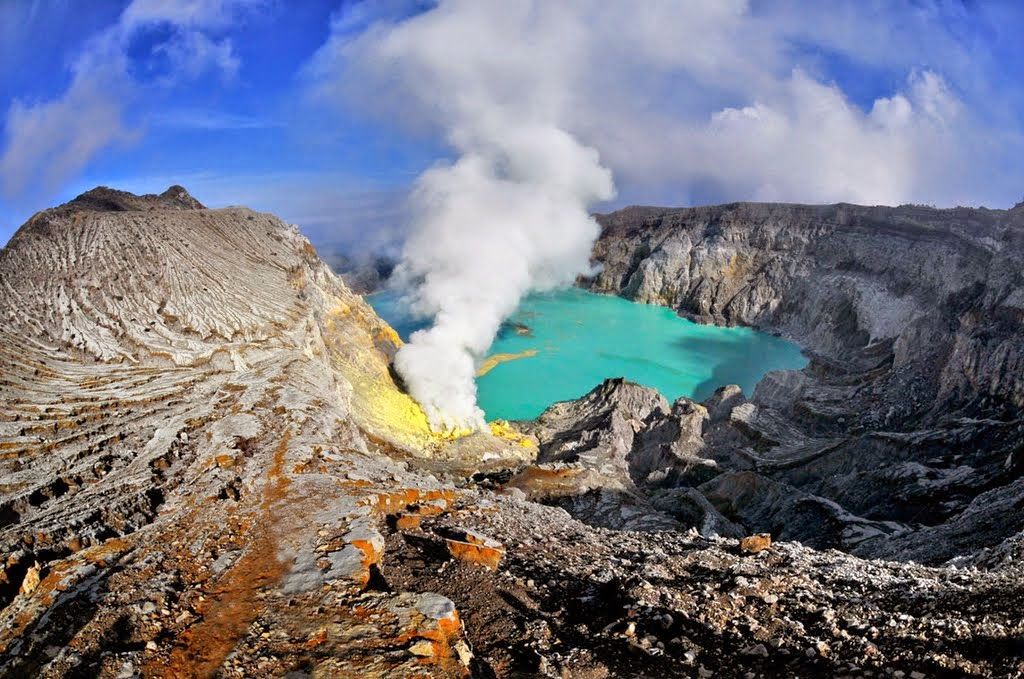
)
(560, 345)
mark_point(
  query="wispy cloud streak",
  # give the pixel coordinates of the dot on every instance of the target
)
(50, 141)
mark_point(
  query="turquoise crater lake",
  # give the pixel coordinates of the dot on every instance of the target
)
(560, 345)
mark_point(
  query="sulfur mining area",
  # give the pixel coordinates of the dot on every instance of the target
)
(207, 467)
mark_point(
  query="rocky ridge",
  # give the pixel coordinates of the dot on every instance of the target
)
(208, 470)
(902, 437)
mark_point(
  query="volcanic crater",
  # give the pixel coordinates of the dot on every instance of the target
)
(208, 468)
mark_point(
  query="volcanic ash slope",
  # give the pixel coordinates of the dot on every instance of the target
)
(207, 469)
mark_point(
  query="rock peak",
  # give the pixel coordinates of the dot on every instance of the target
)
(106, 199)
(178, 194)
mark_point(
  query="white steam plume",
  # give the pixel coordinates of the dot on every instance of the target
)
(683, 100)
(510, 216)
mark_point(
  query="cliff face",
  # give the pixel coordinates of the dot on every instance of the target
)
(944, 288)
(206, 469)
(913, 318)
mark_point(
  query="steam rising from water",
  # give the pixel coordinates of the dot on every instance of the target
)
(673, 94)
(510, 216)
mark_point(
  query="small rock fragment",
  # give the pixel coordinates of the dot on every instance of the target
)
(462, 650)
(31, 581)
(753, 544)
(476, 548)
(424, 649)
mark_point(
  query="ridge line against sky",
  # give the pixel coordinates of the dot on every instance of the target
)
(294, 107)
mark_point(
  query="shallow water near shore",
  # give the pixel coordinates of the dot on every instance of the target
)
(559, 345)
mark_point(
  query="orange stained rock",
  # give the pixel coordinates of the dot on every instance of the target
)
(408, 522)
(542, 479)
(440, 634)
(479, 554)
(232, 602)
(397, 501)
(277, 490)
(101, 553)
(225, 461)
(429, 510)
(357, 483)
(317, 639)
(232, 608)
(388, 503)
(447, 630)
(371, 554)
(752, 544)
(545, 474)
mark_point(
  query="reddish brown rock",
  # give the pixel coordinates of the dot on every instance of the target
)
(753, 544)
(476, 548)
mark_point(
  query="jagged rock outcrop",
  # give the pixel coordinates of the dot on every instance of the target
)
(688, 465)
(913, 318)
(208, 470)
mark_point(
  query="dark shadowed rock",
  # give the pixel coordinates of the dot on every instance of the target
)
(103, 199)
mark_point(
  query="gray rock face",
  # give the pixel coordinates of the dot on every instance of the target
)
(936, 296)
(708, 466)
(913, 319)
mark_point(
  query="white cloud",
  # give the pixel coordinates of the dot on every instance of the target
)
(48, 142)
(192, 53)
(188, 14)
(203, 119)
(538, 99)
(809, 143)
(715, 98)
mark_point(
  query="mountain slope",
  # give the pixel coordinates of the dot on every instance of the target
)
(169, 368)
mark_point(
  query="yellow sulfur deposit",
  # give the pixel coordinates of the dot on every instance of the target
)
(491, 362)
(385, 332)
(503, 430)
(380, 407)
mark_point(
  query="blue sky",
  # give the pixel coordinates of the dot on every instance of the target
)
(275, 105)
(231, 138)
